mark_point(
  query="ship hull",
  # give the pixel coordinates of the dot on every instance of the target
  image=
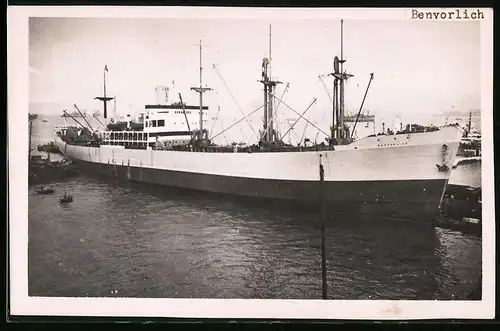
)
(402, 199)
(466, 175)
(395, 176)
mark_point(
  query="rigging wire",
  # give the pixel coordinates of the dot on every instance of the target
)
(305, 119)
(275, 113)
(278, 125)
(234, 99)
(292, 132)
(74, 119)
(98, 120)
(329, 97)
(303, 133)
(223, 135)
(295, 134)
(237, 122)
(185, 117)
(242, 135)
(213, 123)
(291, 127)
(83, 116)
(326, 89)
(362, 103)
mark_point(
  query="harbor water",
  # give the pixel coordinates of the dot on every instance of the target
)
(134, 240)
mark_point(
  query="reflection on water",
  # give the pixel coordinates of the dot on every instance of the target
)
(142, 241)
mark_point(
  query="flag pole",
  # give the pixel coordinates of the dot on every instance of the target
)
(105, 98)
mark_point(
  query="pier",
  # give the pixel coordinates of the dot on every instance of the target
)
(461, 210)
(45, 170)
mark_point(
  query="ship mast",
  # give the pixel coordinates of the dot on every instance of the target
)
(29, 143)
(469, 126)
(270, 58)
(338, 93)
(201, 90)
(269, 134)
(342, 80)
(271, 93)
(105, 98)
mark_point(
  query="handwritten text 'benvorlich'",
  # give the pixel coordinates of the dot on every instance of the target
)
(455, 14)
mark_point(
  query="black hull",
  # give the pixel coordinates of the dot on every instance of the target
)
(415, 200)
(462, 201)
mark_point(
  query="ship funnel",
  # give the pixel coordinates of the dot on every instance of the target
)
(161, 95)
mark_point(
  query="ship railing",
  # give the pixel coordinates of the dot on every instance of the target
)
(136, 136)
(132, 138)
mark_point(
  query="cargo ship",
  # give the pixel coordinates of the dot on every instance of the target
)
(395, 175)
(466, 170)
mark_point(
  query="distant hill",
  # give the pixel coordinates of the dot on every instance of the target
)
(48, 108)
(56, 109)
(475, 113)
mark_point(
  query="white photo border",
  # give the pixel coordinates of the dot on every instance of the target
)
(18, 82)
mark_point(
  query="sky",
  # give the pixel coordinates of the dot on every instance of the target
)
(420, 68)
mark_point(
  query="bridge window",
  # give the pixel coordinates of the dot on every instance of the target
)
(135, 136)
(153, 123)
(161, 122)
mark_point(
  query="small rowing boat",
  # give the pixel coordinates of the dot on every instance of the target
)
(43, 190)
(66, 198)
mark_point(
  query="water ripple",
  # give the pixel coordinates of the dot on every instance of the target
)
(140, 241)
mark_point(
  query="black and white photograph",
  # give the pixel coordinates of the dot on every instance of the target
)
(251, 162)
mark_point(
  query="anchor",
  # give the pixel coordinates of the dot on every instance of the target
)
(443, 167)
